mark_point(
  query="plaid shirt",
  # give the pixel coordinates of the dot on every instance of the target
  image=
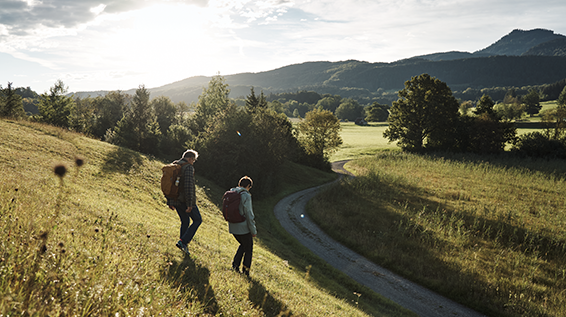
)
(188, 193)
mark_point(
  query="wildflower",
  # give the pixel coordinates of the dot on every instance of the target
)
(60, 170)
(79, 161)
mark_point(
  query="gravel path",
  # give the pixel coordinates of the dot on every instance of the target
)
(290, 212)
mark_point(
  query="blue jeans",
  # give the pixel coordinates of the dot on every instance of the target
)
(188, 232)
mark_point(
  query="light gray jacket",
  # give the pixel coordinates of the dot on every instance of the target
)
(247, 211)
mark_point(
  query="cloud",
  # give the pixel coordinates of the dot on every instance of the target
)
(23, 17)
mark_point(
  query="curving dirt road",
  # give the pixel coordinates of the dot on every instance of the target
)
(290, 212)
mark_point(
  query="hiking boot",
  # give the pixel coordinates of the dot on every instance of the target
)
(183, 247)
(235, 269)
(246, 271)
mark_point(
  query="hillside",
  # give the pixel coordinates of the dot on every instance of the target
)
(551, 48)
(521, 58)
(99, 241)
(519, 41)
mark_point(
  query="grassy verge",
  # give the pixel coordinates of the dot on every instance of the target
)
(99, 241)
(486, 233)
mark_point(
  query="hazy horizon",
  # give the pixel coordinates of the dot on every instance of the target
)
(121, 44)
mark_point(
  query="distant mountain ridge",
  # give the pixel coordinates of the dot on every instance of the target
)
(516, 43)
(520, 58)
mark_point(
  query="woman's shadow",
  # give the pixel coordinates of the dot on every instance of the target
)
(192, 278)
(263, 300)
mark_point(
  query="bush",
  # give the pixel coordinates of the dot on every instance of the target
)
(536, 144)
(238, 143)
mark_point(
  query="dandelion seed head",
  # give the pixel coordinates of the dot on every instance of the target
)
(60, 170)
(79, 161)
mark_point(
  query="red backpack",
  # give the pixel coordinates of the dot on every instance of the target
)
(231, 207)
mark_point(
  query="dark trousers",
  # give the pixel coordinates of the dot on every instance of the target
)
(188, 232)
(245, 250)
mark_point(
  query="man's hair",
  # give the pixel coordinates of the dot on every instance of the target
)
(190, 154)
(245, 181)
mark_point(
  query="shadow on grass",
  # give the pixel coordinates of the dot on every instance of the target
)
(121, 160)
(194, 280)
(262, 299)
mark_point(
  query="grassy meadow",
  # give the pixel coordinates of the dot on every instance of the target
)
(487, 232)
(361, 140)
(99, 241)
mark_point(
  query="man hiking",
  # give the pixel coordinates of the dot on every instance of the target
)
(186, 203)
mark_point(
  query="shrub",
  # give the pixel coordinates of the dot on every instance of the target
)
(536, 144)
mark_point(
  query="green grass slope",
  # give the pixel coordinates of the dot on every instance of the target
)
(100, 241)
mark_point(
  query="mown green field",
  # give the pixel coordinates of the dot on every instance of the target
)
(487, 232)
(361, 140)
(100, 241)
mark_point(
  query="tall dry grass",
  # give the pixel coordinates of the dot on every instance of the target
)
(487, 232)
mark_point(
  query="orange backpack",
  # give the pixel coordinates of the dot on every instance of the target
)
(171, 178)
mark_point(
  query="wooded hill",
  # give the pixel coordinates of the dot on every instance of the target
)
(521, 58)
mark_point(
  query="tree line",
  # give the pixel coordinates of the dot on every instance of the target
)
(427, 117)
(233, 140)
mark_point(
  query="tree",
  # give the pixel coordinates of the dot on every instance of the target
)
(253, 103)
(329, 103)
(509, 111)
(485, 105)
(276, 106)
(213, 100)
(296, 113)
(377, 113)
(511, 108)
(238, 143)
(138, 129)
(554, 121)
(320, 133)
(11, 105)
(166, 112)
(55, 107)
(108, 111)
(349, 109)
(532, 102)
(424, 116)
(486, 134)
(562, 97)
(82, 118)
(465, 107)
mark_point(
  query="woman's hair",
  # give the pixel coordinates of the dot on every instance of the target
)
(245, 181)
(190, 154)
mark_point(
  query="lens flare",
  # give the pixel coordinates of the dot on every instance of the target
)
(239, 134)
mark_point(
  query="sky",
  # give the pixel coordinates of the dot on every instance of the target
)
(121, 44)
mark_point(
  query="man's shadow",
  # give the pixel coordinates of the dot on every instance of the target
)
(192, 278)
(263, 300)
